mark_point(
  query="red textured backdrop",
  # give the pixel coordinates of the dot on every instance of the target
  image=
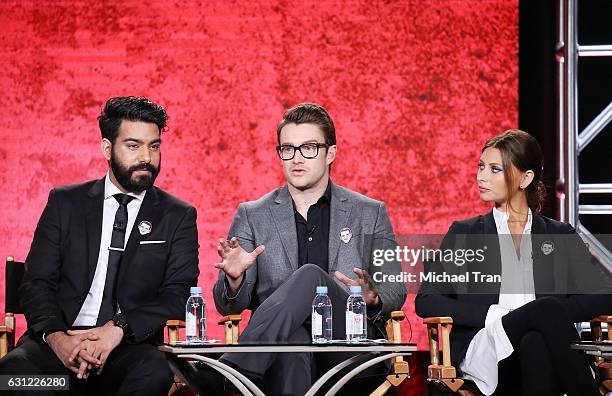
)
(414, 87)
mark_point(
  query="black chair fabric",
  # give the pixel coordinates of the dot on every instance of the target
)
(14, 275)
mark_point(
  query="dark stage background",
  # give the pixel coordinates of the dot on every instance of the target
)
(414, 87)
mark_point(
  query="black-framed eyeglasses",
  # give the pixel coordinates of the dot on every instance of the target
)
(286, 152)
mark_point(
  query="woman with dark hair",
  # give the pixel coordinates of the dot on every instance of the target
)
(513, 337)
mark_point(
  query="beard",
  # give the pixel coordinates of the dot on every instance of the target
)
(125, 176)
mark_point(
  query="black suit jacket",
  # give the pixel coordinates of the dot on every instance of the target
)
(153, 280)
(565, 272)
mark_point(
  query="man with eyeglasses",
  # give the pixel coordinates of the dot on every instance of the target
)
(308, 233)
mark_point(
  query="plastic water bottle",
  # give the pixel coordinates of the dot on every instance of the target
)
(195, 317)
(356, 317)
(321, 317)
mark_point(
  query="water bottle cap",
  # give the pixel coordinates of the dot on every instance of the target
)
(321, 289)
(355, 289)
(195, 290)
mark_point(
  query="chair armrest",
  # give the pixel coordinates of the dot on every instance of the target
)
(394, 333)
(602, 365)
(175, 323)
(399, 315)
(435, 370)
(235, 319)
(596, 327)
(399, 368)
(6, 340)
(173, 327)
(7, 334)
(438, 319)
(231, 324)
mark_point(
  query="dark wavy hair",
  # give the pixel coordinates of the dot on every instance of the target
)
(309, 113)
(522, 150)
(130, 108)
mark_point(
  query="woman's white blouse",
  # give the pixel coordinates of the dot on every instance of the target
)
(491, 344)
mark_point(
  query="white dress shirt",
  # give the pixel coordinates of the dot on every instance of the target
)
(91, 307)
(491, 344)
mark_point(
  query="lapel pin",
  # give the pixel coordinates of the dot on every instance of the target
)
(547, 247)
(346, 235)
(145, 227)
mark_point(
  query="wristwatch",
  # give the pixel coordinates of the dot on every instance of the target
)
(120, 320)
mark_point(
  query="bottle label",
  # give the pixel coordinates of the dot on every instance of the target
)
(317, 323)
(354, 323)
(190, 325)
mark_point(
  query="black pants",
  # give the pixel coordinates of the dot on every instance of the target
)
(543, 363)
(284, 317)
(130, 369)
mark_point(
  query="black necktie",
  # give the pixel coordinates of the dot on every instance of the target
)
(115, 252)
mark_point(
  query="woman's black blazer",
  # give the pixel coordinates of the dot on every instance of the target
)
(568, 273)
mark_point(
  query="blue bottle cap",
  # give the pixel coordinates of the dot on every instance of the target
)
(355, 289)
(321, 289)
(195, 290)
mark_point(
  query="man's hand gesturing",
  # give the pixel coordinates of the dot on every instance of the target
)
(235, 261)
(369, 290)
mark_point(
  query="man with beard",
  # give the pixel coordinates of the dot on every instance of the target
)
(111, 261)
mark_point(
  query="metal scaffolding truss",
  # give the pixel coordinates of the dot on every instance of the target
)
(571, 141)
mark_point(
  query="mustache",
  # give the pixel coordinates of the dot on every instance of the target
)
(138, 167)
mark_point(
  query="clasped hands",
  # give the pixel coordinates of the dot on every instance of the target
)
(235, 261)
(85, 351)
